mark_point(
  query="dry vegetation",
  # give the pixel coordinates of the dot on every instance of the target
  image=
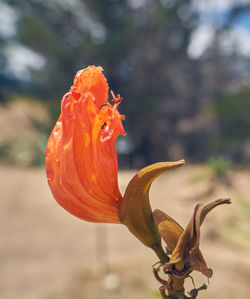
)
(46, 253)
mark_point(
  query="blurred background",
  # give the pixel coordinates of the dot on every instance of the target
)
(183, 69)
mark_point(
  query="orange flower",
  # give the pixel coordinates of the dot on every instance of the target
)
(81, 162)
(81, 159)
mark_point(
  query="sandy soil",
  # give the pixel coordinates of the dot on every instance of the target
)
(45, 253)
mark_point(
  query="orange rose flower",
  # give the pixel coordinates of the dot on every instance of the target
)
(81, 158)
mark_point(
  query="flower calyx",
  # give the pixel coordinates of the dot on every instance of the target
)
(135, 210)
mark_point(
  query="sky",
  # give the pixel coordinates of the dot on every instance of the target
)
(212, 14)
(216, 5)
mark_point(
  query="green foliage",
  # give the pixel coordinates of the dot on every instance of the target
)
(158, 296)
(238, 232)
(219, 165)
(237, 228)
(24, 144)
(245, 205)
(232, 116)
(236, 225)
(4, 149)
(28, 151)
(198, 177)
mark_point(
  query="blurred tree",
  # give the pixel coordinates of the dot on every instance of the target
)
(143, 48)
(232, 117)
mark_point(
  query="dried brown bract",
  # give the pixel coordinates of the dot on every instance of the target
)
(183, 245)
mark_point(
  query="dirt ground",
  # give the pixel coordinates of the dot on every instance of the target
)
(45, 253)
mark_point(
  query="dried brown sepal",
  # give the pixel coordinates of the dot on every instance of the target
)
(169, 229)
(187, 248)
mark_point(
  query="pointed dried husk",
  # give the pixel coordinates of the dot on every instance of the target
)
(187, 247)
(135, 210)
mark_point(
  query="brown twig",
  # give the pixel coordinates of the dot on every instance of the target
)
(174, 286)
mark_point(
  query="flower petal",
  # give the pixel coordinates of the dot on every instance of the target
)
(91, 80)
(81, 166)
(53, 167)
(96, 160)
